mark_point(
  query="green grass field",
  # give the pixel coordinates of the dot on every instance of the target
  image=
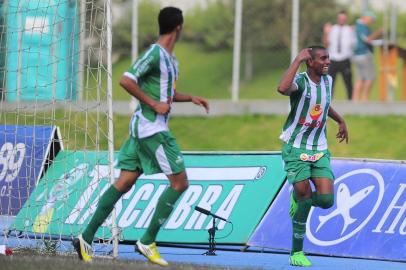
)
(378, 137)
(369, 136)
(208, 74)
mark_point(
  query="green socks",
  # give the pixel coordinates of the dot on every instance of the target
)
(299, 212)
(109, 199)
(106, 205)
(163, 210)
(299, 224)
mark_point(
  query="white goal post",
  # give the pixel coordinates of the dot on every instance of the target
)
(56, 102)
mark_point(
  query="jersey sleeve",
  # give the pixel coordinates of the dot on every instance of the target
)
(144, 64)
(299, 83)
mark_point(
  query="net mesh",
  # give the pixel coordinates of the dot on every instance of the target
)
(53, 115)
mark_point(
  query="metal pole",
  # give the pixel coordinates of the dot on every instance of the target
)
(393, 22)
(134, 31)
(364, 5)
(114, 229)
(82, 38)
(237, 51)
(134, 45)
(294, 45)
(387, 95)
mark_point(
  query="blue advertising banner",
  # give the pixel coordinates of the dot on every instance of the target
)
(368, 219)
(23, 150)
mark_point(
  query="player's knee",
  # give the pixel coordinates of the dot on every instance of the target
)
(124, 186)
(183, 186)
(179, 182)
(180, 185)
(325, 201)
(126, 180)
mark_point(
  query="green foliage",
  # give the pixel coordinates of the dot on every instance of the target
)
(401, 30)
(261, 23)
(313, 15)
(208, 74)
(212, 27)
(265, 23)
(50, 246)
(147, 25)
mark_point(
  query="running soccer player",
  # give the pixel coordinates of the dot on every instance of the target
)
(150, 147)
(305, 151)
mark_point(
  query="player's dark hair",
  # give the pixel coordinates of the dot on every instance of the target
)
(342, 12)
(314, 49)
(168, 19)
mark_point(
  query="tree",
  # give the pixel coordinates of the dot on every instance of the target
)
(211, 26)
(267, 26)
(147, 23)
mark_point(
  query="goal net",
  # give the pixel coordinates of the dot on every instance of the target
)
(56, 136)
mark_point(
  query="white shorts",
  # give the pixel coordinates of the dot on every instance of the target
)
(364, 66)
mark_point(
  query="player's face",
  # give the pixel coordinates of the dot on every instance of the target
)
(321, 62)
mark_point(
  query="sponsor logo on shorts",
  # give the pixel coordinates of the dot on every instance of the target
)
(311, 158)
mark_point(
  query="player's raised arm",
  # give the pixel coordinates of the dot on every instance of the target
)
(286, 85)
(179, 97)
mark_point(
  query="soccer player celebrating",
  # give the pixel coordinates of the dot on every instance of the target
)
(305, 151)
(150, 147)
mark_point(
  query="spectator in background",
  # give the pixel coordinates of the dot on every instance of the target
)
(363, 56)
(340, 41)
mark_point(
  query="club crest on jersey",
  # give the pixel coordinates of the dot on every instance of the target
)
(311, 158)
(316, 111)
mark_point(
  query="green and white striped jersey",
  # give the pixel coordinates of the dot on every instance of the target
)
(305, 127)
(156, 72)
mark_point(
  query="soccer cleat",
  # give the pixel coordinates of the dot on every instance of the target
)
(293, 205)
(83, 249)
(151, 253)
(299, 259)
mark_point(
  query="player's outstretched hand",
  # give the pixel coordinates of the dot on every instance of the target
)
(342, 133)
(201, 102)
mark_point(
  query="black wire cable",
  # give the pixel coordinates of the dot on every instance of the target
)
(232, 229)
